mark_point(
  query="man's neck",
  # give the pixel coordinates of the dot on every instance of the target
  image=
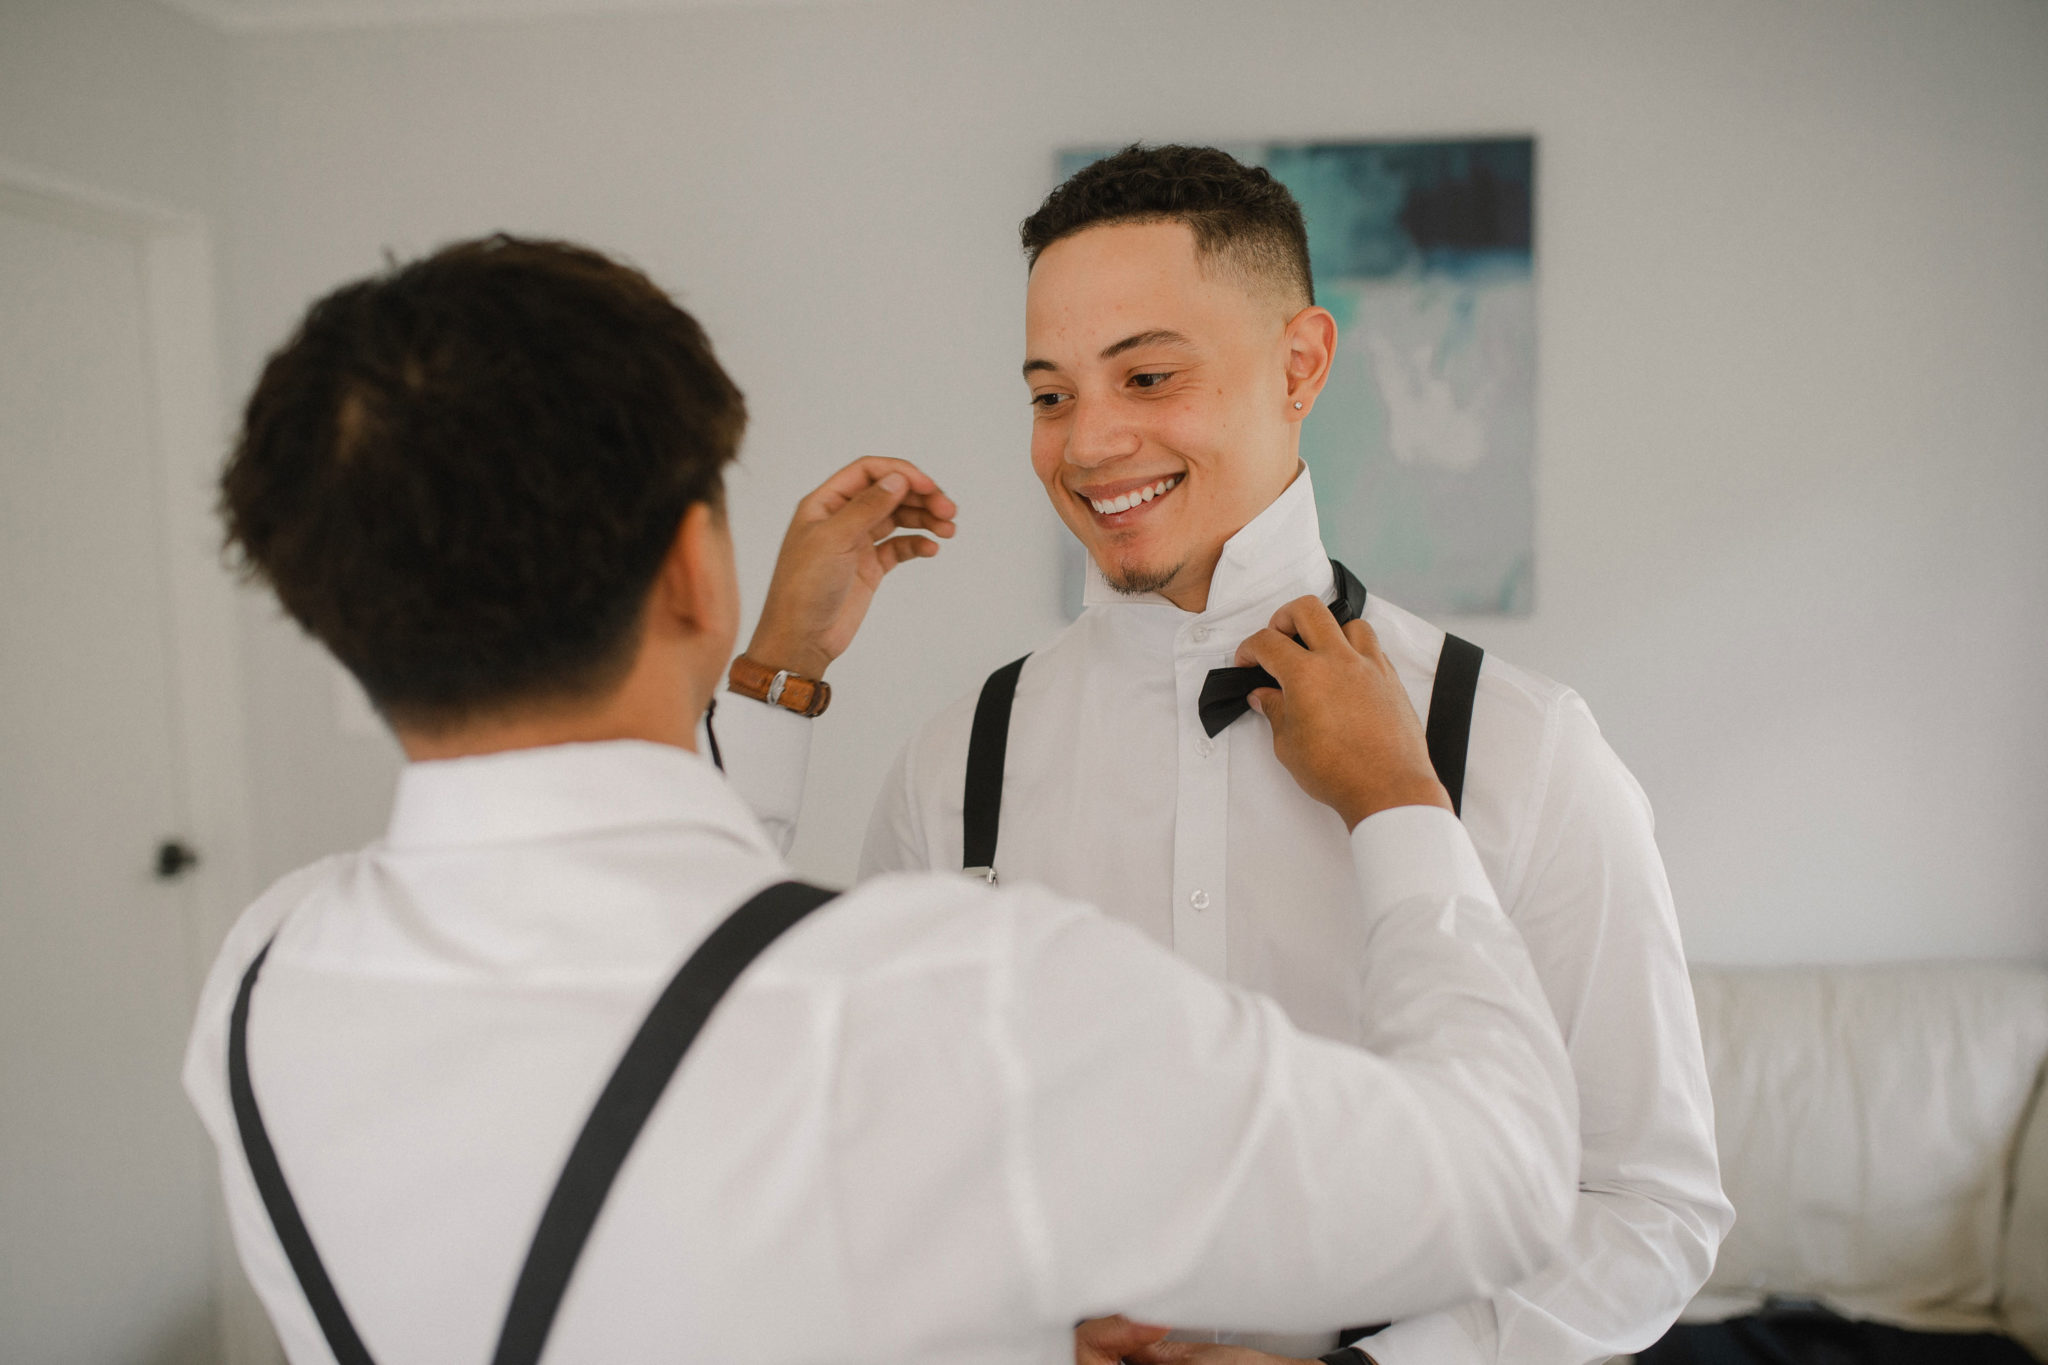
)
(529, 731)
(1189, 587)
(658, 702)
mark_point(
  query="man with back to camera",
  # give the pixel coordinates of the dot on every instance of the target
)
(438, 1069)
(1173, 349)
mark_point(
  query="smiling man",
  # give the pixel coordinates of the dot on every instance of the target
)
(1172, 349)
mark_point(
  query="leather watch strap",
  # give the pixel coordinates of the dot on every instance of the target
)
(780, 687)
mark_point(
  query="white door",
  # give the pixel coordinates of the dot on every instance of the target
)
(105, 1252)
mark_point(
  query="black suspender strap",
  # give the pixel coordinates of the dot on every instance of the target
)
(608, 1135)
(277, 1196)
(1449, 730)
(987, 746)
(629, 1097)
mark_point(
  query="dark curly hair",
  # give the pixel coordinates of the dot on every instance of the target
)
(461, 475)
(1239, 214)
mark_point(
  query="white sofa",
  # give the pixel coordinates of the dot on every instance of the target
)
(1885, 1143)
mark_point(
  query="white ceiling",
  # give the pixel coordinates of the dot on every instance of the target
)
(244, 16)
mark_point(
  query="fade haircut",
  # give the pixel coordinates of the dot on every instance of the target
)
(462, 475)
(1241, 216)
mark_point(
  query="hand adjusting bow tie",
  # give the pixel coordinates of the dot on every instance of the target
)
(1225, 689)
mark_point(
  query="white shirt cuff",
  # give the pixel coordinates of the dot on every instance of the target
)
(766, 752)
(1433, 1340)
(1411, 851)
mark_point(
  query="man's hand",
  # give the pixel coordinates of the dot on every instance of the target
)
(1341, 722)
(839, 544)
(1208, 1353)
(1106, 1341)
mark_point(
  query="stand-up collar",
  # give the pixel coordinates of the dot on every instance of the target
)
(563, 790)
(1276, 556)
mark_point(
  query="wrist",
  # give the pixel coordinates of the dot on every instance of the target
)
(1356, 809)
(806, 695)
(778, 653)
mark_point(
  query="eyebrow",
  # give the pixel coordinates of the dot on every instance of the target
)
(1158, 336)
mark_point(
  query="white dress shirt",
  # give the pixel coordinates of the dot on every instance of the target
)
(933, 1123)
(1114, 794)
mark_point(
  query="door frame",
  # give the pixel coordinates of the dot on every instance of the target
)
(189, 430)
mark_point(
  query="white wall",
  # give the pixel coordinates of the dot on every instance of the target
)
(123, 97)
(1794, 338)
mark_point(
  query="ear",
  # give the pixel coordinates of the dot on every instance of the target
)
(1311, 340)
(696, 592)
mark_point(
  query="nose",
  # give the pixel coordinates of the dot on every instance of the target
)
(1098, 433)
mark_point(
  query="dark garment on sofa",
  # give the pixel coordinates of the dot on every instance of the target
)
(1810, 1335)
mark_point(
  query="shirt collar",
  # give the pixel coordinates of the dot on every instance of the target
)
(1276, 556)
(564, 790)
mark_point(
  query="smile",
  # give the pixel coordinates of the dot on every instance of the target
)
(1111, 506)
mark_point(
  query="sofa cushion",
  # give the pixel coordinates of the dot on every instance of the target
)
(1867, 1120)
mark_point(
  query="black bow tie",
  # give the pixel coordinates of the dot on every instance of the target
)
(1225, 689)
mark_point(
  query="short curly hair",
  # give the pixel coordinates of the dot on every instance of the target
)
(1239, 214)
(461, 475)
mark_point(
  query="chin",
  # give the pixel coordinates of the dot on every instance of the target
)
(1134, 578)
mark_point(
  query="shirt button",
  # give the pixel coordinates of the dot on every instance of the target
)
(1199, 634)
(1200, 900)
(1204, 747)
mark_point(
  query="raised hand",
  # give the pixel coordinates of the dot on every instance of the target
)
(841, 541)
(1342, 724)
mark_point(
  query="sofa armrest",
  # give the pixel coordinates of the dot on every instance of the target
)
(2023, 1298)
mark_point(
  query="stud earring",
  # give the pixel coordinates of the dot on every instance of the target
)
(1297, 406)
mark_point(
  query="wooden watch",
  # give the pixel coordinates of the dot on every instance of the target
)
(779, 687)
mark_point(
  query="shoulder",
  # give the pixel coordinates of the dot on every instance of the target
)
(265, 918)
(256, 926)
(1535, 753)
(1508, 693)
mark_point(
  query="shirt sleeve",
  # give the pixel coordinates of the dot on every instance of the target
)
(766, 753)
(1596, 911)
(1190, 1155)
(895, 841)
(915, 826)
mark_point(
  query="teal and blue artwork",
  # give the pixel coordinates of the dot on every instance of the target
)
(1423, 444)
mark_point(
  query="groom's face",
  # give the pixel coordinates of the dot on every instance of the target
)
(1161, 412)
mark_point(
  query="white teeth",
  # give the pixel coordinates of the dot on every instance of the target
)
(1112, 506)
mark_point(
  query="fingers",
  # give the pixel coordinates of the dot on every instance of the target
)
(1362, 638)
(912, 515)
(868, 514)
(1272, 651)
(1169, 1352)
(901, 549)
(856, 478)
(1313, 624)
(1112, 1338)
(1310, 620)
(886, 506)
